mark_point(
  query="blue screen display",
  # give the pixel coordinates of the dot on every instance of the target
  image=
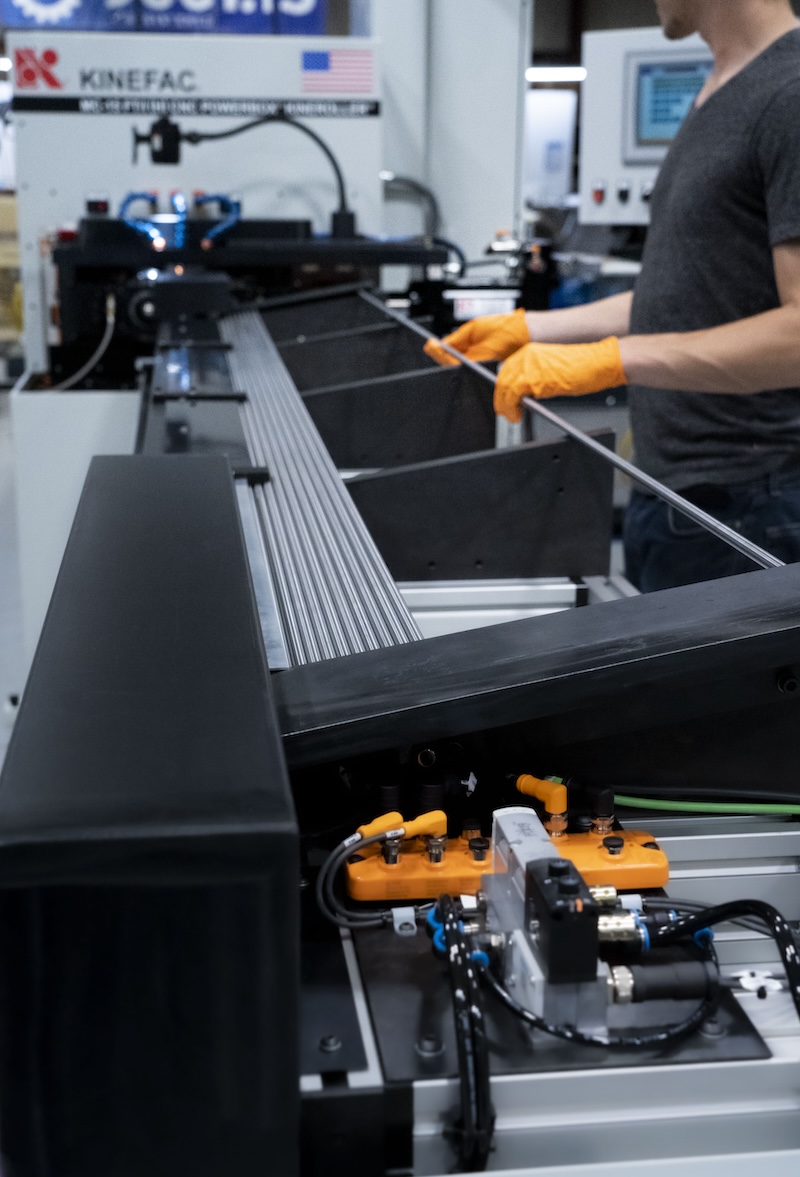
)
(665, 93)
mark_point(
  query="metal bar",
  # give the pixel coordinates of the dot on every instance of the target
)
(266, 599)
(335, 594)
(726, 534)
(302, 338)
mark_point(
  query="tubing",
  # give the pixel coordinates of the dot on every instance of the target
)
(336, 596)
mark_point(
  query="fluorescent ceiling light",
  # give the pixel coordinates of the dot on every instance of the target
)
(5, 64)
(555, 73)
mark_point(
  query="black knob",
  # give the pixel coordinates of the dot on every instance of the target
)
(569, 885)
(559, 867)
(614, 844)
(479, 848)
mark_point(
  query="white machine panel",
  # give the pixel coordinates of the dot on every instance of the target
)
(79, 96)
(638, 89)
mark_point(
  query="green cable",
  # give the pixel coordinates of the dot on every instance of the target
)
(727, 807)
(731, 807)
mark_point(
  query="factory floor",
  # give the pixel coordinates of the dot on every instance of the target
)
(10, 608)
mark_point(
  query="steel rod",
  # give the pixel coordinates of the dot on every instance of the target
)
(753, 552)
(335, 592)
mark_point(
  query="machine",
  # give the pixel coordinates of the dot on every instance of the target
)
(307, 864)
(286, 882)
(638, 89)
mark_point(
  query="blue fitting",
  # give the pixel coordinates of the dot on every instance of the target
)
(703, 938)
(646, 944)
(145, 228)
(230, 208)
(178, 202)
(432, 921)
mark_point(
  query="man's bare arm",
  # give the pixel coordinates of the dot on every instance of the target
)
(582, 324)
(752, 355)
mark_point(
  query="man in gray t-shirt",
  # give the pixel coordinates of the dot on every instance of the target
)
(709, 340)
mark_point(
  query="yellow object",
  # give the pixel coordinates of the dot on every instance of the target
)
(552, 794)
(552, 369)
(381, 825)
(414, 876)
(637, 865)
(489, 337)
(433, 823)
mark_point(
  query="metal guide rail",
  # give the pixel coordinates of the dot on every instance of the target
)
(334, 593)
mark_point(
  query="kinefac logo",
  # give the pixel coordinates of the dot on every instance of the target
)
(32, 69)
(139, 81)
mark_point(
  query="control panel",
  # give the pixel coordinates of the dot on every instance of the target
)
(638, 89)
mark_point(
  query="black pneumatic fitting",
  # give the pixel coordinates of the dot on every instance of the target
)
(479, 848)
(693, 979)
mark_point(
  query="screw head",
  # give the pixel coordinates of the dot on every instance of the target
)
(329, 1044)
(429, 1045)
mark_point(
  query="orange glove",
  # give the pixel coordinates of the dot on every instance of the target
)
(557, 369)
(489, 337)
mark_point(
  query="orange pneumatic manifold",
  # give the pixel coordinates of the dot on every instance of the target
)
(630, 860)
(423, 864)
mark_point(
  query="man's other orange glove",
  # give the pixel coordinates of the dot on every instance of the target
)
(489, 337)
(556, 369)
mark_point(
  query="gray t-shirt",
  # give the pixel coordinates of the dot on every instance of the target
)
(729, 190)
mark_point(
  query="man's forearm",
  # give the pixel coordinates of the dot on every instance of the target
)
(582, 324)
(752, 355)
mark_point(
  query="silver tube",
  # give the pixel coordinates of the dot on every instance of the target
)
(336, 594)
(728, 535)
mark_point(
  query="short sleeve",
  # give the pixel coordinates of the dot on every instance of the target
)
(777, 146)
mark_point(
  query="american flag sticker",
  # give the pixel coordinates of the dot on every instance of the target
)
(338, 71)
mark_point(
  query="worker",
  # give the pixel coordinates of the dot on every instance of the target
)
(708, 342)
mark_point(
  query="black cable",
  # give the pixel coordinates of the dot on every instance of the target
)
(326, 898)
(434, 218)
(195, 137)
(346, 916)
(473, 1132)
(336, 912)
(644, 1040)
(778, 926)
(690, 906)
(456, 249)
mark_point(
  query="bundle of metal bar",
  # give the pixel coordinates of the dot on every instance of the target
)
(334, 592)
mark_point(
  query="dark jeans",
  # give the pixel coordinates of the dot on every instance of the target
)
(664, 548)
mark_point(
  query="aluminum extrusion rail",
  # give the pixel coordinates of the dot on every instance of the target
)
(335, 594)
(732, 538)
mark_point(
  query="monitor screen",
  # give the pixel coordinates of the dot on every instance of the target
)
(665, 91)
